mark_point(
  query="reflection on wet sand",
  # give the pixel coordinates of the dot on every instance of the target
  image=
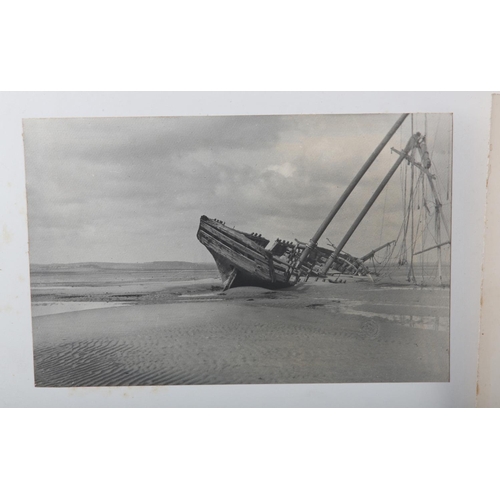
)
(436, 322)
(190, 332)
(44, 308)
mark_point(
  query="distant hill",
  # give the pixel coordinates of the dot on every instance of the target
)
(139, 266)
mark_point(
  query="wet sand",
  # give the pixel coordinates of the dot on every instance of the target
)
(192, 333)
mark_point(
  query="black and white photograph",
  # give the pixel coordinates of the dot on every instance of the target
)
(266, 249)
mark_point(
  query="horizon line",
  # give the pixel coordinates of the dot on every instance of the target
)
(116, 262)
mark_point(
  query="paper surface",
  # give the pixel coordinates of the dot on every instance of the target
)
(471, 132)
(488, 386)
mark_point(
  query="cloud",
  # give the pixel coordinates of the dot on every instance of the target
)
(133, 189)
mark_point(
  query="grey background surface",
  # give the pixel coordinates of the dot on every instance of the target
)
(471, 133)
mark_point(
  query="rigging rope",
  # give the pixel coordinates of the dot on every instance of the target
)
(420, 210)
(383, 218)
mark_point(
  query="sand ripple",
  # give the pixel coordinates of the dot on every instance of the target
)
(230, 343)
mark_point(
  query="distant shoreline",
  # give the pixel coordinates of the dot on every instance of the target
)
(124, 266)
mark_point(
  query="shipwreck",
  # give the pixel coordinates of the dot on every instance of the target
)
(247, 259)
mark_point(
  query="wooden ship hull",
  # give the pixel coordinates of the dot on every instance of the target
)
(241, 258)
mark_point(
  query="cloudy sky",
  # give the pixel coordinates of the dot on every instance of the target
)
(133, 189)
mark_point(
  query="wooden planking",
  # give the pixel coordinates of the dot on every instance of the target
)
(238, 236)
(230, 279)
(239, 260)
(280, 266)
(244, 245)
(233, 234)
(259, 269)
(262, 256)
(255, 255)
(272, 273)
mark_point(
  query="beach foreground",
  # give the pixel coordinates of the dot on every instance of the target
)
(192, 333)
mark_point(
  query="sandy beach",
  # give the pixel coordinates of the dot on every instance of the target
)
(190, 332)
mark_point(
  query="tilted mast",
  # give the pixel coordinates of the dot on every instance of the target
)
(314, 240)
(409, 146)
